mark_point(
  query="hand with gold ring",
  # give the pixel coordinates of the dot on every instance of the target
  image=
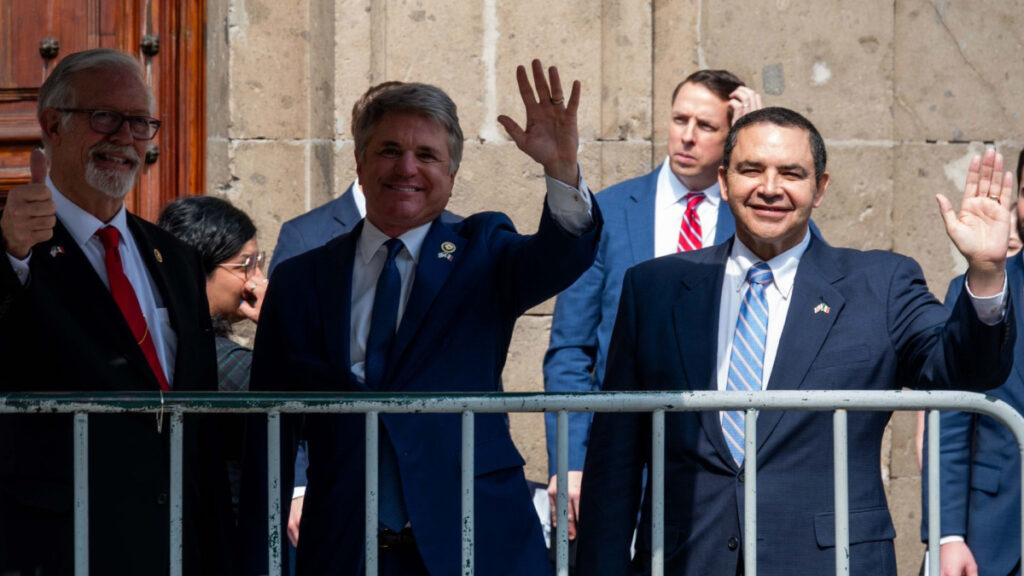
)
(981, 230)
(743, 100)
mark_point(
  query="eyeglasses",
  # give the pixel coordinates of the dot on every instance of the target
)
(110, 122)
(251, 264)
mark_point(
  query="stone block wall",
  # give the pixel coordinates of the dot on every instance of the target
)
(903, 91)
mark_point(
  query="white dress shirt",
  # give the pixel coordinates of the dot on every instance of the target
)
(82, 227)
(670, 205)
(570, 207)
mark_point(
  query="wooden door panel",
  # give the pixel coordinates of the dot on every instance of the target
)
(176, 73)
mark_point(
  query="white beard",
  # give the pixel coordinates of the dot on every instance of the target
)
(114, 183)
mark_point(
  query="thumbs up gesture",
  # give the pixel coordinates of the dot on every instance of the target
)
(30, 214)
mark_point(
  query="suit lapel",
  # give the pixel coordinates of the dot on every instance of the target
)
(334, 286)
(806, 329)
(640, 219)
(696, 324)
(726, 225)
(432, 272)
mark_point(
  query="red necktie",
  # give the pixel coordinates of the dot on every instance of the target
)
(689, 228)
(123, 293)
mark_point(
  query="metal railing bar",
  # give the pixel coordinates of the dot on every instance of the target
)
(841, 485)
(468, 476)
(81, 432)
(274, 493)
(562, 505)
(750, 493)
(934, 496)
(657, 481)
(177, 469)
(372, 494)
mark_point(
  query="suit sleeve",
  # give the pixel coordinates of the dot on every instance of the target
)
(956, 429)
(571, 356)
(619, 449)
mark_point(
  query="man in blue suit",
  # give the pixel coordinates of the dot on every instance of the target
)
(777, 308)
(643, 219)
(980, 465)
(408, 302)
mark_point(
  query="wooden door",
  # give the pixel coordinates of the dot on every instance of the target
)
(167, 38)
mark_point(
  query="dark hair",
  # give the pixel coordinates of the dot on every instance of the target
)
(366, 98)
(721, 83)
(215, 228)
(785, 118)
(423, 99)
(1020, 167)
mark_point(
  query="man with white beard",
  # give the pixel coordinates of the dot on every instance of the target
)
(93, 298)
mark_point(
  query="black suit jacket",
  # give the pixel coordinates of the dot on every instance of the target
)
(63, 331)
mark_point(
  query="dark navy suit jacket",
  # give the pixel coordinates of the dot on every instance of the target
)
(980, 463)
(585, 313)
(454, 336)
(883, 330)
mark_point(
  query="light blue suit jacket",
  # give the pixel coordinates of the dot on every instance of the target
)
(980, 463)
(585, 313)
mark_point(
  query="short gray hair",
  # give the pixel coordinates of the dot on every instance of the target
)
(413, 97)
(57, 91)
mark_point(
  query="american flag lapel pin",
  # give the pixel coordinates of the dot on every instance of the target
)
(822, 307)
(447, 249)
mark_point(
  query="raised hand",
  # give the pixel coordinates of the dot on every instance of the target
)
(30, 214)
(742, 101)
(550, 136)
(981, 231)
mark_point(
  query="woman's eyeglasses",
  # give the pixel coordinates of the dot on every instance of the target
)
(251, 264)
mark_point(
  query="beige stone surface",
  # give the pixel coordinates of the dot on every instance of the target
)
(498, 177)
(269, 77)
(831, 60)
(953, 73)
(677, 53)
(357, 27)
(523, 374)
(607, 163)
(626, 79)
(857, 209)
(904, 496)
(903, 446)
(269, 184)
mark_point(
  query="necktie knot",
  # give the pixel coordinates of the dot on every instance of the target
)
(760, 273)
(693, 200)
(393, 245)
(109, 236)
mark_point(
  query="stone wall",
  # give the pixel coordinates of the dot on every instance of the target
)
(904, 92)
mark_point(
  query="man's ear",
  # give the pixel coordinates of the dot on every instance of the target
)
(722, 188)
(51, 123)
(820, 186)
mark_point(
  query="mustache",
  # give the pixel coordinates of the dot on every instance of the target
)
(110, 148)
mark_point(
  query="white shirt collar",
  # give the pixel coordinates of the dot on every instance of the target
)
(372, 239)
(81, 224)
(783, 266)
(679, 191)
(359, 198)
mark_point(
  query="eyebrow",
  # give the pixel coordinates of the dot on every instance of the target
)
(393, 144)
(761, 166)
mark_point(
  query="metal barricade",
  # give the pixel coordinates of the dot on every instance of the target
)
(372, 405)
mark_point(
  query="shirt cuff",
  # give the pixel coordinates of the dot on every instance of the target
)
(951, 538)
(20, 267)
(570, 207)
(298, 492)
(991, 309)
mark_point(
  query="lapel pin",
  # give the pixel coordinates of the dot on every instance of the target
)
(56, 251)
(822, 307)
(159, 257)
(447, 248)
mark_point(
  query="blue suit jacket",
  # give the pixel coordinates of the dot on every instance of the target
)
(980, 463)
(454, 336)
(316, 228)
(585, 313)
(884, 330)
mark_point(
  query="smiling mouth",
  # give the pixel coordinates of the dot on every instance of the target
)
(114, 159)
(401, 188)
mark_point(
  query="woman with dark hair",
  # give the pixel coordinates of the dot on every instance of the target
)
(225, 238)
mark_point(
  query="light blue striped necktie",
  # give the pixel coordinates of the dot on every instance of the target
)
(746, 364)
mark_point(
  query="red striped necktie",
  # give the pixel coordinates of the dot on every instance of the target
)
(689, 228)
(123, 293)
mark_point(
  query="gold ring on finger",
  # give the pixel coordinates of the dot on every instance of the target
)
(558, 100)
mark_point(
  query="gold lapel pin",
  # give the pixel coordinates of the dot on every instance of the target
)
(447, 248)
(159, 257)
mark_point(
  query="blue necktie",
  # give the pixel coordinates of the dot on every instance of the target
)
(383, 320)
(746, 364)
